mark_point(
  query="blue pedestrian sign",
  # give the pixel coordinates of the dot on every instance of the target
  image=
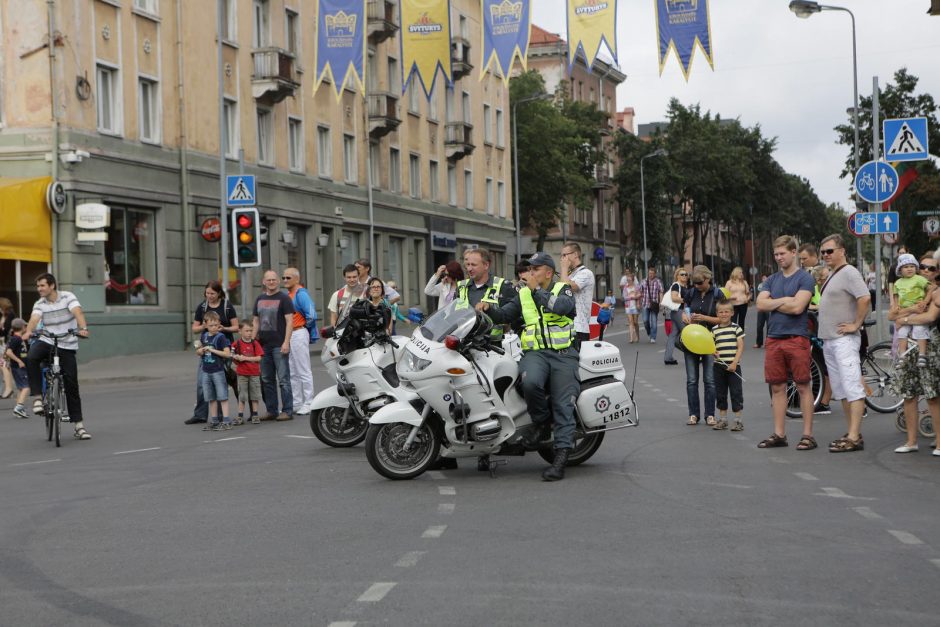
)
(906, 139)
(874, 223)
(240, 190)
(876, 181)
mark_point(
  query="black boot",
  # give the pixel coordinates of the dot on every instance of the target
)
(483, 463)
(535, 436)
(557, 470)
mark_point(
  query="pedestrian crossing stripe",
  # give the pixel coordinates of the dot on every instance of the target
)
(240, 191)
(905, 142)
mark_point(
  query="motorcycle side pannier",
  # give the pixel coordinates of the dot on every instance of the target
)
(598, 359)
(606, 405)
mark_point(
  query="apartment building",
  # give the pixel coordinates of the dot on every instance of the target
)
(117, 102)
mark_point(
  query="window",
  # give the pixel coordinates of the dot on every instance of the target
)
(265, 136)
(394, 169)
(231, 138)
(464, 27)
(414, 96)
(372, 74)
(394, 77)
(148, 116)
(131, 258)
(261, 34)
(295, 144)
(450, 114)
(109, 107)
(487, 124)
(434, 186)
(292, 34)
(324, 152)
(432, 107)
(350, 160)
(394, 269)
(296, 257)
(468, 188)
(467, 113)
(349, 254)
(414, 165)
(375, 159)
(501, 198)
(451, 185)
(150, 6)
(500, 132)
(489, 195)
(229, 23)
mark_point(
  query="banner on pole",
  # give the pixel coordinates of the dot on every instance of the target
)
(591, 23)
(341, 44)
(506, 28)
(425, 42)
(680, 24)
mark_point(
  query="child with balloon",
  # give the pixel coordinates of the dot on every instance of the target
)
(729, 348)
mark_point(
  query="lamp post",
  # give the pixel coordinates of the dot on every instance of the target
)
(804, 9)
(660, 152)
(515, 164)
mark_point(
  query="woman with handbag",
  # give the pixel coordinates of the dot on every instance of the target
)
(700, 301)
(674, 307)
(631, 294)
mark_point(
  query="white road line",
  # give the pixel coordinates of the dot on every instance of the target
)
(434, 531)
(139, 450)
(237, 437)
(731, 485)
(836, 493)
(409, 559)
(648, 385)
(935, 562)
(674, 400)
(779, 460)
(866, 512)
(657, 390)
(301, 437)
(446, 508)
(805, 476)
(376, 592)
(436, 475)
(343, 623)
(447, 490)
(45, 461)
(904, 537)
(738, 436)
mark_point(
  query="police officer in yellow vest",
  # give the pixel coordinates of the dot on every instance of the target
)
(549, 361)
(479, 286)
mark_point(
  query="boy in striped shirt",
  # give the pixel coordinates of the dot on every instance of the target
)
(729, 347)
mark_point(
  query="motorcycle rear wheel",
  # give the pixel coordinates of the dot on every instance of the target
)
(583, 450)
(325, 424)
(384, 450)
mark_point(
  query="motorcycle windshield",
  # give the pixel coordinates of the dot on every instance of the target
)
(455, 319)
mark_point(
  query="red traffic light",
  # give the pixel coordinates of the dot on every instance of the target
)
(244, 221)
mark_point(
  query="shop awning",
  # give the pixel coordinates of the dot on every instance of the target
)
(25, 221)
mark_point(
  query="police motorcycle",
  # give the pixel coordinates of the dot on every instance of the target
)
(360, 356)
(471, 399)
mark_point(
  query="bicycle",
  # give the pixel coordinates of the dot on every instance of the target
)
(53, 397)
(924, 419)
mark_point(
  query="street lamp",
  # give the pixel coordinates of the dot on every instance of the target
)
(515, 163)
(660, 152)
(804, 9)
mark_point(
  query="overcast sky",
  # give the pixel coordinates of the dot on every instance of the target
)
(792, 76)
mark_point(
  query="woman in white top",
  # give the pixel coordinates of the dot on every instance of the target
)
(740, 295)
(631, 295)
(443, 283)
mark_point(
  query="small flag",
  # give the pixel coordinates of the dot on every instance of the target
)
(506, 27)
(680, 24)
(591, 23)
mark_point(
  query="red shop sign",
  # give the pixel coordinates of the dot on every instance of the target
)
(212, 230)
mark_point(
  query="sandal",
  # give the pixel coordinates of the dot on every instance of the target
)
(846, 445)
(710, 421)
(807, 443)
(38, 409)
(861, 440)
(773, 441)
(81, 434)
(693, 420)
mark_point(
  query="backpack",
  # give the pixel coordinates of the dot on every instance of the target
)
(310, 321)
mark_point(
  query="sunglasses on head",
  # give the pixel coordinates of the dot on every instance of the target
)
(928, 268)
(827, 251)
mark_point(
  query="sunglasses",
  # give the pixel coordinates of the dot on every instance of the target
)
(828, 251)
(286, 278)
(698, 282)
(928, 268)
(683, 274)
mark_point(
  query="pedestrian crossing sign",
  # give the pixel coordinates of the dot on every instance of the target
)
(240, 190)
(906, 139)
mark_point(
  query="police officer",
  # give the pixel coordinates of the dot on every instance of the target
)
(549, 361)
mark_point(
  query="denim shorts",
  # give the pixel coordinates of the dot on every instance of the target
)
(214, 386)
(20, 378)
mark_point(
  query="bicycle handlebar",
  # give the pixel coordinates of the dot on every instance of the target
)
(60, 336)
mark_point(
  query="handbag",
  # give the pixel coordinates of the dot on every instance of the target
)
(668, 303)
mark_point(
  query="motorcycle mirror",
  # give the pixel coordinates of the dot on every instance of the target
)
(452, 342)
(326, 332)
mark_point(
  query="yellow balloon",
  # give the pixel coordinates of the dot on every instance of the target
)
(698, 339)
(726, 292)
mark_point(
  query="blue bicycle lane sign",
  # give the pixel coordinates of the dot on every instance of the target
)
(876, 182)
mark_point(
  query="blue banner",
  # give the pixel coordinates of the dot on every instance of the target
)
(341, 44)
(506, 26)
(680, 24)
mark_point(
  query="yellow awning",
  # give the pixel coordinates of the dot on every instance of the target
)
(25, 221)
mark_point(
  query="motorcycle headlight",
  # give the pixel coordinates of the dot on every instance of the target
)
(414, 363)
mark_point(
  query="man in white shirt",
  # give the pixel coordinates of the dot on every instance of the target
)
(346, 295)
(581, 280)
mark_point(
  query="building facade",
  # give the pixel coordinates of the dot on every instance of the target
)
(123, 110)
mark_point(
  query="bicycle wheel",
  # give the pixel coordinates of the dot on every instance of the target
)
(793, 396)
(58, 411)
(47, 402)
(878, 371)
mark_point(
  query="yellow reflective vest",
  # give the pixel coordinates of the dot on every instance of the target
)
(544, 329)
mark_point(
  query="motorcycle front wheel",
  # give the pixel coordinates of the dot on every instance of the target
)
(583, 450)
(327, 424)
(388, 457)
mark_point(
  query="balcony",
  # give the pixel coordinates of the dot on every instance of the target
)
(460, 57)
(458, 140)
(383, 114)
(382, 22)
(273, 78)
(602, 178)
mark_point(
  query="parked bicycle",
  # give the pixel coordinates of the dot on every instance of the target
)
(53, 396)
(924, 419)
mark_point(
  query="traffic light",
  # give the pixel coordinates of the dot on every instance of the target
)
(246, 238)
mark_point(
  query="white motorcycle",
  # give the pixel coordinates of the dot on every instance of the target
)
(471, 401)
(360, 357)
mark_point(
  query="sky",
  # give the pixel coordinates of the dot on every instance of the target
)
(791, 76)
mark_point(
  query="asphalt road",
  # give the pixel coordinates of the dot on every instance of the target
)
(157, 523)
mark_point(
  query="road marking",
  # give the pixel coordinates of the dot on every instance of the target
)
(237, 437)
(779, 460)
(904, 537)
(138, 450)
(657, 390)
(301, 437)
(343, 623)
(446, 508)
(447, 490)
(649, 385)
(805, 476)
(376, 592)
(434, 531)
(409, 559)
(45, 461)
(738, 436)
(673, 400)
(436, 475)
(731, 485)
(866, 512)
(935, 562)
(836, 493)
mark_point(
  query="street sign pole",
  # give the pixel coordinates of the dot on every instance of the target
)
(223, 210)
(878, 306)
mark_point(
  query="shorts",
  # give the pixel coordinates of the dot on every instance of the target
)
(631, 310)
(787, 358)
(214, 386)
(249, 388)
(20, 378)
(915, 332)
(845, 370)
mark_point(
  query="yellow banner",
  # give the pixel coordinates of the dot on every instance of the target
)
(425, 42)
(591, 22)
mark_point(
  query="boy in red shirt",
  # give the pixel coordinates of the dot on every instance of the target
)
(247, 354)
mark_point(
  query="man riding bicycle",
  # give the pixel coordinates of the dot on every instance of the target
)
(58, 312)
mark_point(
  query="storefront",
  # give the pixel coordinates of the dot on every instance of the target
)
(25, 238)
